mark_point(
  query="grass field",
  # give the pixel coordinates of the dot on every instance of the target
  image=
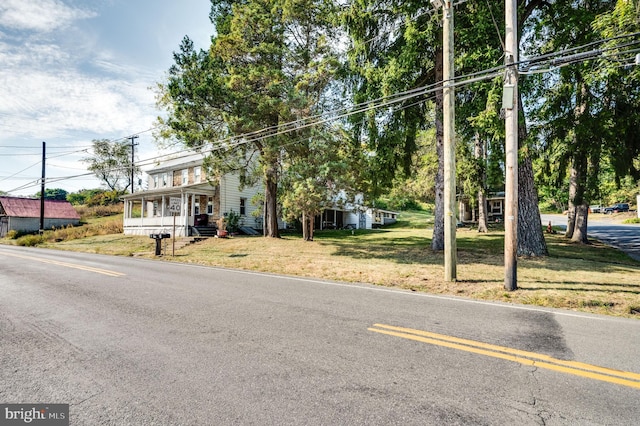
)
(593, 278)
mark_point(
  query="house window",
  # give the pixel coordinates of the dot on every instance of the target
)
(155, 181)
(243, 206)
(496, 207)
(196, 208)
(165, 179)
(185, 176)
(210, 205)
(197, 172)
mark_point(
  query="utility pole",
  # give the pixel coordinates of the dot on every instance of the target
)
(133, 152)
(44, 148)
(449, 135)
(449, 101)
(510, 105)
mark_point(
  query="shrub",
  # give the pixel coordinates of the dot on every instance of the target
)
(233, 221)
(632, 220)
(30, 240)
(13, 234)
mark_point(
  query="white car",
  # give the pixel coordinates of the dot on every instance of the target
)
(595, 209)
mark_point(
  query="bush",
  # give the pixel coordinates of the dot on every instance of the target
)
(105, 198)
(233, 221)
(30, 240)
(13, 234)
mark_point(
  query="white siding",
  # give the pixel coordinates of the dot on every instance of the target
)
(230, 196)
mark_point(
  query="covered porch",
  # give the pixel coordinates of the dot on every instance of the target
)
(157, 211)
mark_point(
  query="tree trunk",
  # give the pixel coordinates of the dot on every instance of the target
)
(305, 235)
(571, 212)
(578, 208)
(580, 228)
(437, 241)
(307, 227)
(577, 218)
(271, 202)
(531, 240)
(482, 211)
(480, 154)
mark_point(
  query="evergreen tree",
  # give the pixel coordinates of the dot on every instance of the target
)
(268, 65)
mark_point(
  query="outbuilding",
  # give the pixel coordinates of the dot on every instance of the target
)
(23, 214)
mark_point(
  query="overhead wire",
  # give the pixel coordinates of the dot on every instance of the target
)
(382, 102)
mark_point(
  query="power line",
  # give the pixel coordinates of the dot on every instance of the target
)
(341, 113)
(17, 173)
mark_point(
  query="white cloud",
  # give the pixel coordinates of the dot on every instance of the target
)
(53, 90)
(46, 105)
(41, 15)
(67, 79)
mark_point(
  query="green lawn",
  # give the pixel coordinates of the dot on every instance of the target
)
(593, 278)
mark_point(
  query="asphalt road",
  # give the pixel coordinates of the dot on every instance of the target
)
(621, 236)
(127, 341)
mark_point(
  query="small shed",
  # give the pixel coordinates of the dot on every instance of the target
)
(23, 214)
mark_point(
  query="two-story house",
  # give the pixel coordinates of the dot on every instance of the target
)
(179, 191)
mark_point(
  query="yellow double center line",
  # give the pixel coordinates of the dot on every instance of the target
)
(67, 265)
(623, 378)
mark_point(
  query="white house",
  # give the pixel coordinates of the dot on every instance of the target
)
(179, 191)
(354, 216)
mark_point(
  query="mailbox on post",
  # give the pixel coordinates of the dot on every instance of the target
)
(159, 238)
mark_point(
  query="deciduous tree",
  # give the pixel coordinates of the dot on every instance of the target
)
(111, 163)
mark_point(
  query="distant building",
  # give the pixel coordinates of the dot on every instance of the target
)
(23, 214)
(495, 209)
(354, 215)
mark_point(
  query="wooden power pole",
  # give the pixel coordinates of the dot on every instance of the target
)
(450, 221)
(133, 155)
(510, 105)
(44, 157)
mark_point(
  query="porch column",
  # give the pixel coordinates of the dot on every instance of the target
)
(162, 211)
(142, 212)
(185, 217)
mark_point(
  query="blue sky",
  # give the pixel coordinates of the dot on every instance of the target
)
(76, 70)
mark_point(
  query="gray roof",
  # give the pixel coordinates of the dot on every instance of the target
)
(188, 159)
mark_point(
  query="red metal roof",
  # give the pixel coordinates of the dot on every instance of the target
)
(30, 207)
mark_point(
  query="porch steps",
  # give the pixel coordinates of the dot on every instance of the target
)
(204, 231)
(248, 231)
